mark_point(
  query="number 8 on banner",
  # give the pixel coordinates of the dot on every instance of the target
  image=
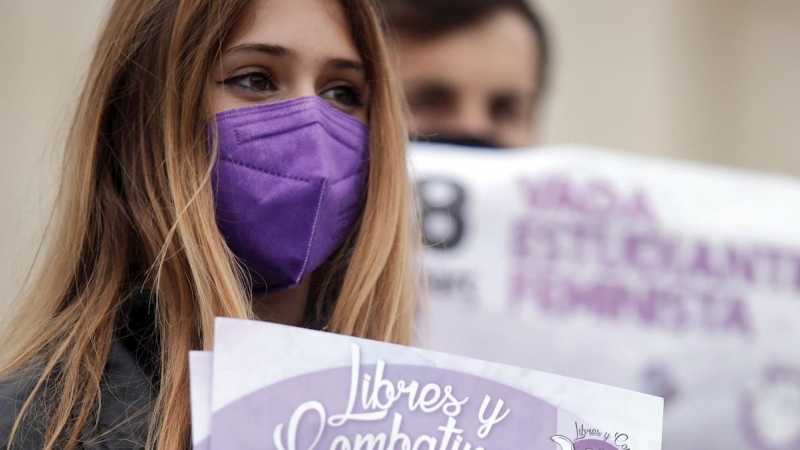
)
(443, 222)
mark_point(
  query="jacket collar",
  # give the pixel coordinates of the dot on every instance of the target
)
(137, 332)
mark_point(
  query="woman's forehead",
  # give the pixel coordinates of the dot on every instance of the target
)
(316, 29)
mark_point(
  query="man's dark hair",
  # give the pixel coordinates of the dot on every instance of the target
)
(428, 19)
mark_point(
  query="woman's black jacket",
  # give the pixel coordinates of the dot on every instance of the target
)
(130, 382)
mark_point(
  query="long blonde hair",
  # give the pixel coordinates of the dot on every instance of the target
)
(136, 209)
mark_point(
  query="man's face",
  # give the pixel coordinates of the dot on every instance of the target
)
(478, 82)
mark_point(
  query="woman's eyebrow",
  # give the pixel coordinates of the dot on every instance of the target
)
(345, 64)
(273, 50)
(279, 51)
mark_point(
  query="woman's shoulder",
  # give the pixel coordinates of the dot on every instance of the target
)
(129, 388)
(123, 418)
(15, 390)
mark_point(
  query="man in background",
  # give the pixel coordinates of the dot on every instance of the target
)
(473, 71)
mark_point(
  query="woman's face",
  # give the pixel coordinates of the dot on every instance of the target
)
(287, 49)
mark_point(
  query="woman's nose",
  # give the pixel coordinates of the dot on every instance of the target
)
(303, 87)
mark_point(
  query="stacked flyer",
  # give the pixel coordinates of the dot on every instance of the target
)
(268, 386)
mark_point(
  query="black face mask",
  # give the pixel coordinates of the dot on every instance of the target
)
(478, 142)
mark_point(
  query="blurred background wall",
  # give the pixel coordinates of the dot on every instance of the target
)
(706, 80)
(44, 52)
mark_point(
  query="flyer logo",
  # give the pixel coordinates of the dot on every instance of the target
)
(592, 439)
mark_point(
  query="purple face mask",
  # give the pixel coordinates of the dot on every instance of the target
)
(288, 186)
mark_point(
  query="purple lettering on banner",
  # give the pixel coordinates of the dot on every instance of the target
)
(642, 209)
(522, 239)
(741, 264)
(774, 257)
(738, 318)
(663, 309)
(533, 241)
(701, 262)
(610, 300)
(603, 300)
(709, 313)
(563, 196)
(600, 198)
(583, 235)
(612, 255)
(725, 314)
(596, 198)
(554, 297)
(643, 251)
(588, 247)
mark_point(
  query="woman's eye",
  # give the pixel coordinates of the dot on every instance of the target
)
(254, 81)
(346, 97)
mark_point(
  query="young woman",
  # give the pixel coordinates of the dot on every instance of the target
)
(240, 158)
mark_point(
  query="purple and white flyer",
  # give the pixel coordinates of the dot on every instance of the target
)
(284, 388)
(200, 367)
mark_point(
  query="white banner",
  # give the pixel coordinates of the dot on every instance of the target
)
(676, 279)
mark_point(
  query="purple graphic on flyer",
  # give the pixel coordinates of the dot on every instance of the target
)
(588, 438)
(585, 444)
(384, 407)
